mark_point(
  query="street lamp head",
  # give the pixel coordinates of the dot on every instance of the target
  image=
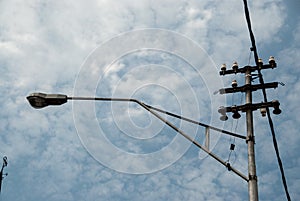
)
(37, 100)
(41, 100)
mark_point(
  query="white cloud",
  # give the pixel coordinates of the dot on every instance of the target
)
(44, 43)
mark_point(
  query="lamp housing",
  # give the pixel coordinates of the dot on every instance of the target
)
(41, 100)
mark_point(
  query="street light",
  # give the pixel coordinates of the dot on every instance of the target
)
(41, 100)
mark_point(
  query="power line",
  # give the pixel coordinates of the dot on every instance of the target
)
(254, 49)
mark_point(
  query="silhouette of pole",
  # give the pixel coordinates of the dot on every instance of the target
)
(4, 164)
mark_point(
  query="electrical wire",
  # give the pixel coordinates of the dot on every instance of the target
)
(196, 122)
(254, 49)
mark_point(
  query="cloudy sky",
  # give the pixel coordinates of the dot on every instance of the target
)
(165, 53)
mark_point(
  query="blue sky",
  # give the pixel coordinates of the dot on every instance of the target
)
(165, 53)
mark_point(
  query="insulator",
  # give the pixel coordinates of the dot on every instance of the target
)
(263, 111)
(222, 111)
(276, 107)
(234, 83)
(272, 61)
(223, 67)
(277, 111)
(223, 117)
(260, 62)
(236, 115)
(235, 66)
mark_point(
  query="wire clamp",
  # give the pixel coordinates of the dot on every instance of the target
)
(228, 166)
(250, 138)
(252, 177)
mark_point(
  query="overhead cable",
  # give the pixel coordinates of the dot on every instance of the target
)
(254, 49)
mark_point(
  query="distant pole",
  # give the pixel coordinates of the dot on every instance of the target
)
(4, 164)
(252, 184)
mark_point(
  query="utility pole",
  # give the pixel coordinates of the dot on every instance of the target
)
(4, 164)
(252, 183)
(248, 108)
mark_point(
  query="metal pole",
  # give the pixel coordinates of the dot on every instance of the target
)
(1, 177)
(252, 183)
(1, 171)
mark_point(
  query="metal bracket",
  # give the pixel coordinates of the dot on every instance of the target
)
(250, 138)
(245, 68)
(228, 166)
(246, 87)
(247, 106)
(252, 177)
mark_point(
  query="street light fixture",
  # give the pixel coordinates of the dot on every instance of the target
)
(41, 100)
